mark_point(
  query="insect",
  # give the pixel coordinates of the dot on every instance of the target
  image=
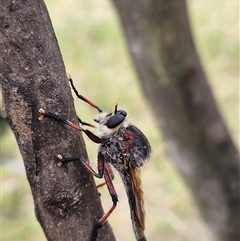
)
(123, 146)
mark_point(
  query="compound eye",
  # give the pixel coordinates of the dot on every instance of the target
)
(122, 112)
(115, 120)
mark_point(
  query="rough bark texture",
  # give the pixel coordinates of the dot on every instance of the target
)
(32, 75)
(162, 48)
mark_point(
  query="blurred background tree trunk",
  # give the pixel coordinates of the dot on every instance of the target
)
(198, 142)
(33, 76)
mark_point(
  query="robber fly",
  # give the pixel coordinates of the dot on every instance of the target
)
(123, 146)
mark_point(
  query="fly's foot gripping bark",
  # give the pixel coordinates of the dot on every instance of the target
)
(59, 164)
(42, 112)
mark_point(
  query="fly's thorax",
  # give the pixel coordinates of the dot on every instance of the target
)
(127, 146)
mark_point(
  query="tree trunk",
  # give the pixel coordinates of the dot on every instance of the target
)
(198, 142)
(33, 76)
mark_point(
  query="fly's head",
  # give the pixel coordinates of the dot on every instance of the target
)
(111, 122)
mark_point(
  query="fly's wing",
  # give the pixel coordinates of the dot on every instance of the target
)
(131, 178)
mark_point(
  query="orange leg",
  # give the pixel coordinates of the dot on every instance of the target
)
(110, 171)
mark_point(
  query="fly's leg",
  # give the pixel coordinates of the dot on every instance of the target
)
(100, 161)
(110, 171)
(55, 117)
(83, 123)
(113, 194)
(81, 97)
(108, 181)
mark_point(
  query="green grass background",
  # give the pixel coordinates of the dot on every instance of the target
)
(94, 52)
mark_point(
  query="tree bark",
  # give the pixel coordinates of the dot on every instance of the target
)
(33, 76)
(160, 42)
